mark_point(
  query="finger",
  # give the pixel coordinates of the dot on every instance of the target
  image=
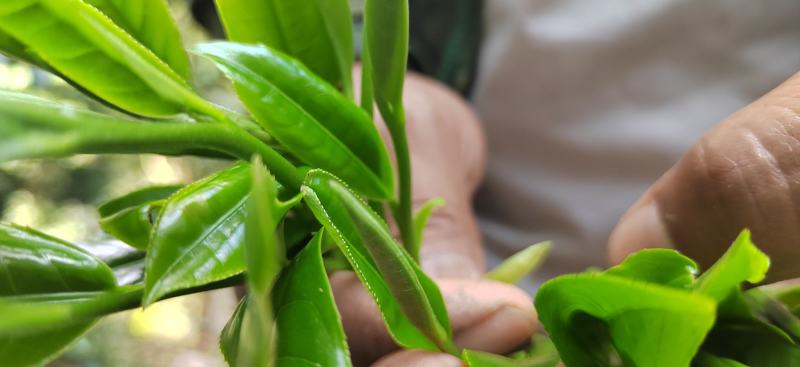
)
(417, 358)
(743, 173)
(484, 315)
(487, 315)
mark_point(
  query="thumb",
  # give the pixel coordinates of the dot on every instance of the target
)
(744, 173)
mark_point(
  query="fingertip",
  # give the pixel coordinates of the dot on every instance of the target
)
(486, 308)
(418, 358)
(640, 228)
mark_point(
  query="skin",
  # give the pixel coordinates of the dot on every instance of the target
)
(743, 173)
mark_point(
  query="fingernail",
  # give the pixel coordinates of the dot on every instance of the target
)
(638, 229)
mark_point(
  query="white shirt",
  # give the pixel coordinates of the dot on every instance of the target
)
(586, 103)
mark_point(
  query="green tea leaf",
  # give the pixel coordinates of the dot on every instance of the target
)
(309, 325)
(520, 264)
(150, 23)
(34, 263)
(81, 43)
(742, 262)
(589, 315)
(199, 236)
(410, 302)
(265, 254)
(421, 221)
(660, 266)
(130, 217)
(230, 337)
(319, 33)
(309, 117)
(753, 344)
(386, 47)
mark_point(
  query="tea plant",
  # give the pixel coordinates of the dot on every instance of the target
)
(308, 180)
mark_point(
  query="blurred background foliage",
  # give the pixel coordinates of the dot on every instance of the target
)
(59, 197)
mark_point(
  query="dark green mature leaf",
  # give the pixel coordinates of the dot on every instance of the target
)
(410, 302)
(130, 217)
(648, 324)
(150, 23)
(660, 266)
(81, 43)
(520, 264)
(309, 117)
(319, 33)
(309, 325)
(32, 263)
(386, 44)
(199, 236)
(753, 344)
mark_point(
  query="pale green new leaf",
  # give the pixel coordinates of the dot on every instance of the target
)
(386, 46)
(317, 32)
(589, 315)
(520, 264)
(34, 263)
(82, 44)
(421, 221)
(149, 21)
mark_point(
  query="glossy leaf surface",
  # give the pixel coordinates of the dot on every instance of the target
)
(130, 217)
(309, 117)
(309, 325)
(33, 263)
(86, 47)
(410, 302)
(150, 23)
(386, 43)
(199, 236)
(660, 266)
(520, 264)
(317, 32)
(587, 315)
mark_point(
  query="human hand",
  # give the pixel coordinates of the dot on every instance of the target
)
(447, 153)
(743, 173)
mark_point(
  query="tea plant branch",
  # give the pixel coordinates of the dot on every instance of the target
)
(401, 207)
(36, 128)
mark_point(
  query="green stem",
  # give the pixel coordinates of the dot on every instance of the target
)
(401, 208)
(182, 138)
